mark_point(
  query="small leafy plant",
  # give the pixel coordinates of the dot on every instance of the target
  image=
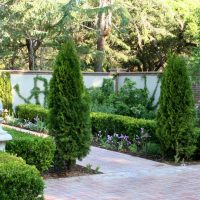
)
(36, 125)
(141, 140)
(90, 170)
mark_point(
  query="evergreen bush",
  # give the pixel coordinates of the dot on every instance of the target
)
(176, 114)
(33, 149)
(111, 123)
(69, 115)
(19, 181)
(31, 111)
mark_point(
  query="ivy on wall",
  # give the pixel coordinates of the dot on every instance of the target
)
(150, 104)
(6, 91)
(35, 91)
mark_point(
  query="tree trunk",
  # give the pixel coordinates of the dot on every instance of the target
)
(32, 46)
(104, 27)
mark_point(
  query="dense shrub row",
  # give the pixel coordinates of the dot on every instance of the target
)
(35, 150)
(31, 111)
(103, 122)
(19, 181)
(111, 123)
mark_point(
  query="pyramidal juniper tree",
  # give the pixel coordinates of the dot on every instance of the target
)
(176, 114)
(69, 120)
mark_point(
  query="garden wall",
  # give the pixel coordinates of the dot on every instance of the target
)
(25, 88)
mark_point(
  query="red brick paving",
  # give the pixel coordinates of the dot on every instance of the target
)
(127, 178)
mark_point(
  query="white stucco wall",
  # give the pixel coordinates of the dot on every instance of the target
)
(139, 80)
(26, 83)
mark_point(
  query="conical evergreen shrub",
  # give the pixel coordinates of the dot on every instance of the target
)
(176, 114)
(69, 120)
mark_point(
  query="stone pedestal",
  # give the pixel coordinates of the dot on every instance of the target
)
(4, 137)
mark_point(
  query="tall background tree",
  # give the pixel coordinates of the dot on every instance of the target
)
(135, 36)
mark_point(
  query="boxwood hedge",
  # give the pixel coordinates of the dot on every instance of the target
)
(19, 181)
(104, 122)
(35, 150)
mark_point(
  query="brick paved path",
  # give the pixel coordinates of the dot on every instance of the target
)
(127, 178)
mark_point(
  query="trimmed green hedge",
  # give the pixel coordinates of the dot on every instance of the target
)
(100, 121)
(121, 124)
(35, 150)
(19, 181)
(31, 111)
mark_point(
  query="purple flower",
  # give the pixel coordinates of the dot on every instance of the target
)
(109, 138)
(142, 130)
(125, 137)
(121, 136)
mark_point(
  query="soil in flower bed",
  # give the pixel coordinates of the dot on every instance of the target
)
(138, 154)
(77, 170)
(157, 158)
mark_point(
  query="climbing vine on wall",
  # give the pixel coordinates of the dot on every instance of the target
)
(6, 91)
(35, 91)
(150, 104)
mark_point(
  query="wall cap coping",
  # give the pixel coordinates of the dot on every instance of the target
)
(84, 73)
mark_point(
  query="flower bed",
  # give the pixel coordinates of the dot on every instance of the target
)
(140, 146)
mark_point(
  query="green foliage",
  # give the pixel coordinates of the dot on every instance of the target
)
(6, 91)
(176, 114)
(29, 29)
(31, 111)
(197, 152)
(34, 150)
(129, 101)
(100, 121)
(194, 66)
(140, 44)
(19, 180)
(110, 124)
(69, 121)
(35, 92)
(152, 149)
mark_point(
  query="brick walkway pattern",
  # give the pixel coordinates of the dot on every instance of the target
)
(127, 178)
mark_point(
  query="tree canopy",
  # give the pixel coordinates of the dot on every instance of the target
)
(136, 36)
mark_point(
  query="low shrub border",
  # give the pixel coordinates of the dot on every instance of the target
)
(31, 111)
(19, 180)
(35, 150)
(109, 123)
